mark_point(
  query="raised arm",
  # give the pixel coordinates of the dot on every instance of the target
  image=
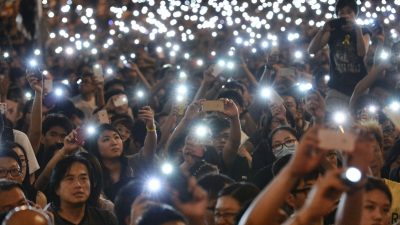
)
(35, 126)
(230, 151)
(150, 142)
(69, 147)
(207, 81)
(320, 39)
(305, 159)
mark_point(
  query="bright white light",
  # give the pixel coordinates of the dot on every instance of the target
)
(394, 106)
(182, 89)
(153, 185)
(372, 109)
(182, 75)
(353, 174)
(28, 95)
(202, 131)
(339, 118)
(69, 51)
(140, 94)
(33, 63)
(90, 130)
(327, 78)
(304, 87)
(199, 62)
(6, 54)
(298, 54)
(36, 52)
(167, 168)
(65, 81)
(384, 55)
(59, 92)
(266, 92)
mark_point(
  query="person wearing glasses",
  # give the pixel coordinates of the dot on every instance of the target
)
(11, 169)
(232, 201)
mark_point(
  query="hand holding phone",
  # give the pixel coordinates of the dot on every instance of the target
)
(120, 100)
(102, 116)
(80, 136)
(213, 106)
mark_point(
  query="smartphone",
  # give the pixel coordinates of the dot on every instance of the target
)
(80, 136)
(216, 70)
(120, 101)
(98, 72)
(102, 116)
(287, 72)
(213, 106)
(338, 23)
(48, 85)
(3, 108)
(333, 140)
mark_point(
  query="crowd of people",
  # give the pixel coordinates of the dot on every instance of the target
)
(107, 121)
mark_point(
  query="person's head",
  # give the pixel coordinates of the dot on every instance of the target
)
(10, 166)
(27, 215)
(346, 9)
(71, 183)
(106, 143)
(55, 128)
(299, 192)
(87, 85)
(124, 199)
(124, 125)
(283, 141)
(25, 171)
(213, 184)
(374, 129)
(11, 195)
(220, 131)
(377, 203)
(230, 201)
(162, 215)
(118, 100)
(114, 84)
(390, 133)
(366, 107)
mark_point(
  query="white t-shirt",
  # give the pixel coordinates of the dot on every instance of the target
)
(21, 139)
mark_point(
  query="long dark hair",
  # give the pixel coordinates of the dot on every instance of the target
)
(58, 174)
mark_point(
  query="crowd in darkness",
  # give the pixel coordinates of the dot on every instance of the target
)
(199, 112)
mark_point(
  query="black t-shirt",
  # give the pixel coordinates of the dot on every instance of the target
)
(346, 67)
(93, 216)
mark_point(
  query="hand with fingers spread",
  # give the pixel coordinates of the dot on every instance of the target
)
(315, 105)
(147, 115)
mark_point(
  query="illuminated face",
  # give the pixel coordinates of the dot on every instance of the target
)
(75, 186)
(21, 156)
(290, 104)
(377, 162)
(123, 131)
(110, 145)
(10, 169)
(11, 199)
(192, 150)
(376, 208)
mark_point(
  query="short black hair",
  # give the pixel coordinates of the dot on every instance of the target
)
(160, 214)
(377, 184)
(242, 192)
(234, 96)
(58, 174)
(214, 183)
(6, 185)
(218, 124)
(111, 93)
(285, 128)
(56, 120)
(340, 4)
(124, 199)
(9, 153)
(113, 82)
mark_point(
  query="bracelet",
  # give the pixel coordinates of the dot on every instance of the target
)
(151, 129)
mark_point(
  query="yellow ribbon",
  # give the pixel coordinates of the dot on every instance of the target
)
(346, 40)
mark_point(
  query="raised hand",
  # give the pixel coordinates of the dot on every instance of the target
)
(230, 108)
(307, 156)
(147, 115)
(193, 110)
(35, 83)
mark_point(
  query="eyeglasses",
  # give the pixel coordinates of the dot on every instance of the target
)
(14, 172)
(288, 143)
(225, 215)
